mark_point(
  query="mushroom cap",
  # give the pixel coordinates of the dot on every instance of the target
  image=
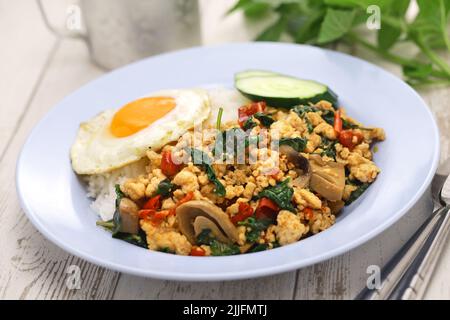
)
(129, 216)
(301, 165)
(327, 177)
(201, 223)
(190, 225)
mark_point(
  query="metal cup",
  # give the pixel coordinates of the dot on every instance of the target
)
(122, 31)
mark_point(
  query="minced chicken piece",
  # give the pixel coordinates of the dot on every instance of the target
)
(289, 229)
(166, 239)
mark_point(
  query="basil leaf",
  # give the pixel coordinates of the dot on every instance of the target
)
(335, 25)
(116, 216)
(302, 110)
(205, 237)
(201, 159)
(309, 125)
(357, 193)
(265, 119)
(298, 144)
(256, 226)
(281, 194)
(348, 125)
(249, 123)
(328, 116)
(222, 249)
(274, 31)
(329, 148)
(164, 188)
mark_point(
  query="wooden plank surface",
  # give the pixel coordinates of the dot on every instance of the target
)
(32, 267)
(26, 52)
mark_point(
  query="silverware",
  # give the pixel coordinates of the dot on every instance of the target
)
(406, 275)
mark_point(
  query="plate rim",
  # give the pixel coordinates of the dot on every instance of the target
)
(243, 274)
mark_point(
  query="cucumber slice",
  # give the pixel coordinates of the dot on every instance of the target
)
(283, 91)
(254, 73)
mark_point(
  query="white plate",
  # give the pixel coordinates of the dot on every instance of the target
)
(55, 200)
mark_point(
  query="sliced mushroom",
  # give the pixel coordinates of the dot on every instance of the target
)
(219, 223)
(129, 216)
(327, 177)
(201, 223)
(301, 164)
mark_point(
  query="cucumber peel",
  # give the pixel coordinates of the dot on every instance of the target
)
(282, 91)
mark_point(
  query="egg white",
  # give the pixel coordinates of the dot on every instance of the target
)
(96, 150)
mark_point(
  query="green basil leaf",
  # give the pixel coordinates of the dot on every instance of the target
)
(281, 194)
(335, 25)
(298, 144)
(265, 119)
(357, 193)
(201, 159)
(164, 188)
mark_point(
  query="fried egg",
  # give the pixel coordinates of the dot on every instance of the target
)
(115, 138)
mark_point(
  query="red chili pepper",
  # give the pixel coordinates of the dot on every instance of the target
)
(245, 211)
(168, 167)
(153, 203)
(197, 251)
(248, 110)
(337, 122)
(309, 213)
(188, 197)
(146, 213)
(267, 209)
(155, 217)
(346, 138)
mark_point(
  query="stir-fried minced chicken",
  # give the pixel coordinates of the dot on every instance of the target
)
(213, 208)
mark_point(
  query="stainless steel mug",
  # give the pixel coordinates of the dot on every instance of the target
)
(122, 31)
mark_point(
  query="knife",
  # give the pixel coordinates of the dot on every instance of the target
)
(407, 274)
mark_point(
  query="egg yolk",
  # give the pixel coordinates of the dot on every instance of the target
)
(139, 114)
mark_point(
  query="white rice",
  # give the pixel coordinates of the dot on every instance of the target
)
(101, 187)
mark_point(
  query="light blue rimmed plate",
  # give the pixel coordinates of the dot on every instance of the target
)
(56, 203)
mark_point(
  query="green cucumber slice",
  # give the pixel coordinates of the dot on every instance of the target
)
(283, 91)
(254, 73)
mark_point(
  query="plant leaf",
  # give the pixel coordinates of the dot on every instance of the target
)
(431, 23)
(273, 32)
(335, 25)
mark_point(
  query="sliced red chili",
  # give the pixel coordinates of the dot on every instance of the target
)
(146, 213)
(197, 251)
(267, 209)
(309, 213)
(248, 110)
(168, 166)
(350, 139)
(153, 203)
(337, 122)
(188, 197)
(245, 211)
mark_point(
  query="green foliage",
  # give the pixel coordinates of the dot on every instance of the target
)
(164, 188)
(357, 193)
(298, 144)
(321, 22)
(281, 194)
(265, 119)
(201, 159)
(114, 225)
(255, 226)
(217, 248)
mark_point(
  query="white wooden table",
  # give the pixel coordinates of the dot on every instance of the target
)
(37, 70)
